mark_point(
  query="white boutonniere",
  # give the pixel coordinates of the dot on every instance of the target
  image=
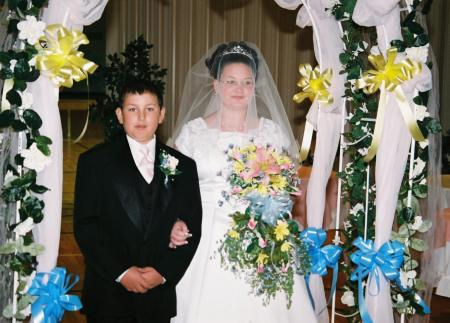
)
(168, 165)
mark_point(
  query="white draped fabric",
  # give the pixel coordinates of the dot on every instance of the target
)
(394, 145)
(326, 119)
(73, 14)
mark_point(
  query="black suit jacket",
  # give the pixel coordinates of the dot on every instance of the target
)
(112, 238)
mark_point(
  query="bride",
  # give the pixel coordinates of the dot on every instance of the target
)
(229, 99)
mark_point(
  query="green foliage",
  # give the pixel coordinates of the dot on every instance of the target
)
(133, 63)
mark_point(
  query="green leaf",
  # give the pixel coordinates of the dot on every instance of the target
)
(14, 98)
(411, 264)
(22, 4)
(12, 26)
(422, 40)
(32, 119)
(418, 244)
(18, 125)
(19, 85)
(415, 28)
(420, 191)
(6, 118)
(8, 248)
(34, 249)
(38, 3)
(419, 284)
(43, 140)
(344, 58)
(8, 311)
(38, 189)
(399, 44)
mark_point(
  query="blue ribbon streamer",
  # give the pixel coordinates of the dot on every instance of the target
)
(321, 257)
(388, 260)
(51, 289)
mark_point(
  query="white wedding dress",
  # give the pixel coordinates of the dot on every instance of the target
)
(208, 293)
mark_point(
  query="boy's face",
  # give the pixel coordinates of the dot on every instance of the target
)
(140, 116)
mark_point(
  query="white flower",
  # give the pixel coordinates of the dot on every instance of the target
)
(417, 223)
(363, 108)
(417, 54)
(421, 112)
(12, 64)
(348, 298)
(423, 144)
(9, 177)
(419, 166)
(407, 278)
(400, 298)
(337, 240)
(358, 207)
(347, 225)
(363, 151)
(32, 62)
(34, 158)
(173, 163)
(27, 99)
(24, 227)
(423, 181)
(31, 29)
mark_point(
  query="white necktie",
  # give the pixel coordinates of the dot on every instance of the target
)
(146, 165)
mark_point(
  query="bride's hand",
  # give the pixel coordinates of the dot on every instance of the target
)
(179, 235)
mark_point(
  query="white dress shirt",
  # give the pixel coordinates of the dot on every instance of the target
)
(137, 151)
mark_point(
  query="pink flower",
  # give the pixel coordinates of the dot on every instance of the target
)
(260, 269)
(285, 166)
(284, 269)
(262, 243)
(236, 154)
(252, 224)
(236, 190)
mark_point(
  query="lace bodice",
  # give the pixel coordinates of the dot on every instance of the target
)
(208, 146)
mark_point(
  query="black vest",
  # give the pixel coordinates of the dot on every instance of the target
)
(147, 197)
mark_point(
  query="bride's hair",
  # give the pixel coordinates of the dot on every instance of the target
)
(232, 52)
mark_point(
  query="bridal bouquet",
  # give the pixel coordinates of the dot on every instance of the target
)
(263, 241)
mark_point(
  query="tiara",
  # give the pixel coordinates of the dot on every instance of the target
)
(237, 49)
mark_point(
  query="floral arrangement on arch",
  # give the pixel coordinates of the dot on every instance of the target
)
(263, 243)
(34, 49)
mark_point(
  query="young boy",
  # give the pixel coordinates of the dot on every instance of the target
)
(128, 195)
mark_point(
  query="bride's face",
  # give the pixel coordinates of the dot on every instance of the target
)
(236, 86)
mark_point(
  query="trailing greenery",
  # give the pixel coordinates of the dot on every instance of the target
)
(354, 175)
(19, 185)
(134, 62)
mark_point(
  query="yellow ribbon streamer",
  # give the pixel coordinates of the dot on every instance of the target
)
(314, 86)
(388, 76)
(59, 58)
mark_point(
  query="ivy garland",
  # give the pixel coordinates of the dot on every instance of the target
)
(362, 107)
(19, 184)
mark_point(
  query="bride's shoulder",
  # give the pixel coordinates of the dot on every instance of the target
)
(195, 125)
(268, 125)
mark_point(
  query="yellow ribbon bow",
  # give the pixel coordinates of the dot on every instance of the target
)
(59, 58)
(388, 76)
(314, 86)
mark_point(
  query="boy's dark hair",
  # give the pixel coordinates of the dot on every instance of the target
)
(136, 86)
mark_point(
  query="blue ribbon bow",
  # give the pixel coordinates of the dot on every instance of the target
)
(271, 208)
(51, 289)
(321, 257)
(388, 260)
